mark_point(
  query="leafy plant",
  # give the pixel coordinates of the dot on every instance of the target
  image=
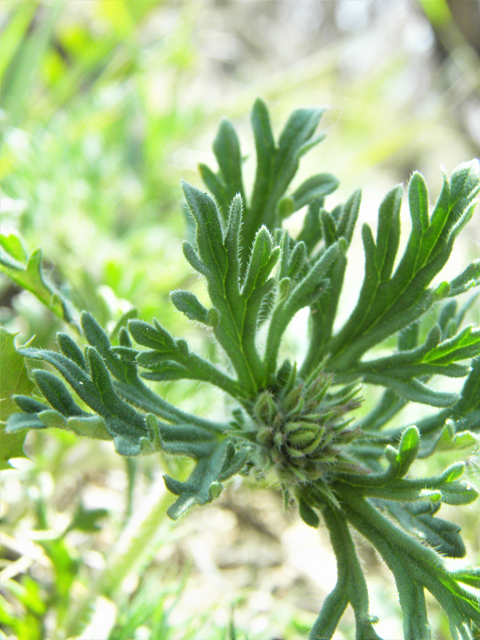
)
(295, 425)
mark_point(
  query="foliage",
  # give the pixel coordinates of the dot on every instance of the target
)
(295, 424)
(14, 378)
(71, 107)
(27, 272)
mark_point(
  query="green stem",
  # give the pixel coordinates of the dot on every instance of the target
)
(131, 469)
(410, 561)
(351, 585)
(209, 373)
(232, 343)
(412, 598)
(144, 398)
(332, 610)
(314, 355)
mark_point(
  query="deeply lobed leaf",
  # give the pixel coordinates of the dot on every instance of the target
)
(295, 425)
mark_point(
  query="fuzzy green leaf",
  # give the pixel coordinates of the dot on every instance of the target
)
(435, 356)
(171, 359)
(440, 534)
(95, 388)
(202, 485)
(387, 302)
(414, 390)
(209, 236)
(307, 514)
(226, 147)
(17, 422)
(189, 304)
(315, 187)
(56, 393)
(87, 425)
(306, 291)
(155, 337)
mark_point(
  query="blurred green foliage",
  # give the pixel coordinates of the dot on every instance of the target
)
(103, 106)
(84, 169)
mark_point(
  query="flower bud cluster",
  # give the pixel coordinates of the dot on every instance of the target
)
(300, 431)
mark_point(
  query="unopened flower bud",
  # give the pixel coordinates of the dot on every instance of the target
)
(265, 408)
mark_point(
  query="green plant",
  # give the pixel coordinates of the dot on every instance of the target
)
(296, 426)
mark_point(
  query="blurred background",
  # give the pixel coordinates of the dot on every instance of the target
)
(105, 106)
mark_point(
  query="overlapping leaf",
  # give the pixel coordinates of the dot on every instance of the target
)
(302, 292)
(93, 385)
(413, 503)
(236, 298)
(442, 535)
(276, 168)
(337, 226)
(416, 567)
(170, 359)
(101, 380)
(391, 300)
(435, 356)
(205, 482)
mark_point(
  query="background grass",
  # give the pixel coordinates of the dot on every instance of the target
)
(105, 105)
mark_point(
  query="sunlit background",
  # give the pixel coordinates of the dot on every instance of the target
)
(105, 106)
